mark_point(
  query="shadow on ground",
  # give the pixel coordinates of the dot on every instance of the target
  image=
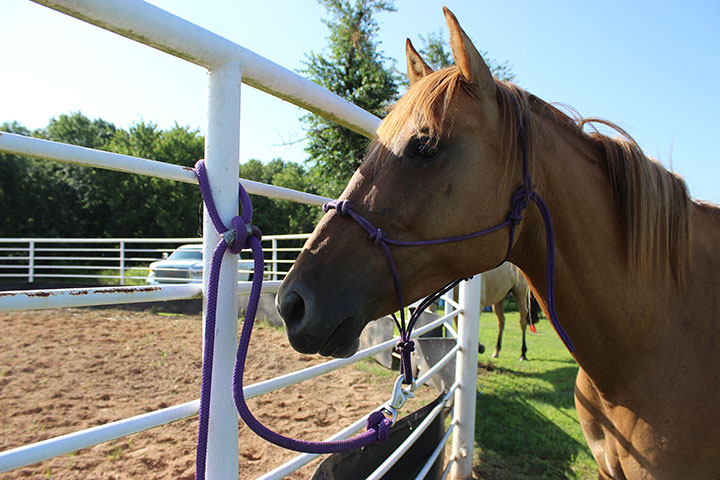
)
(518, 441)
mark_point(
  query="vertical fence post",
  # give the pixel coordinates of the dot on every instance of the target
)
(222, 156)
(31, 261)
(122, 263)
(466, 373)
(274, 259)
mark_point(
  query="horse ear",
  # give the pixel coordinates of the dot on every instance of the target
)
(417, 68)
(468, 59)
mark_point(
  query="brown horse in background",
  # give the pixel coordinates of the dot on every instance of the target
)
(637, 261)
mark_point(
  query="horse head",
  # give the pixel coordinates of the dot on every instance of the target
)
(437, 168)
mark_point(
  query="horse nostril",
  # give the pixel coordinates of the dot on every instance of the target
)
(292, 309)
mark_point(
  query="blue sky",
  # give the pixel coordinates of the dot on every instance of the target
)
(652, 67)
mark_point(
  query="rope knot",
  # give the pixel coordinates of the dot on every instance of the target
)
(342, 207)
(514, 217)
(238, 237)
(405, 346)
(378, 236)
(379, 422)
(519, 202)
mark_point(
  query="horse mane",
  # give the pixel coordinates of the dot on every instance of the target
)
(654, 204)
(655, 207)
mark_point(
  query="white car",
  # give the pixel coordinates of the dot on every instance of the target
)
(185, 265)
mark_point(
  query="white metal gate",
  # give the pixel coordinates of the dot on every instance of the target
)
(228, 65)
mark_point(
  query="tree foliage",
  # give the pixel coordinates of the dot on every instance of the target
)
(355, 69)
(274, 216)
(40, 198)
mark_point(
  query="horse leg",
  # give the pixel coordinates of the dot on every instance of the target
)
(499, 310)
(523, 301)
(523, 351)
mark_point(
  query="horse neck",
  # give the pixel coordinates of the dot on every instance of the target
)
(597, 299)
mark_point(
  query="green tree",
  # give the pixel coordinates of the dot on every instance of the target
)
(355, 69)
(77, 129)
(40, 198)
(148, 206)
(14, 188)
(60, 191)
(55, 199)
(274, 216)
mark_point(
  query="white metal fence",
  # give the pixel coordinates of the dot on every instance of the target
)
(121, 261)
(228, 66)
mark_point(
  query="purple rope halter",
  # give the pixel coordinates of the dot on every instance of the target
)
(243, 235)
(519, 201)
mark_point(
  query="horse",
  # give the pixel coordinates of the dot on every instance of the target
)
(496, 284)
(621, 259)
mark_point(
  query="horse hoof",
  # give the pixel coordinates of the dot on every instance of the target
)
(481, 348)
(523, 358)
(495, 354)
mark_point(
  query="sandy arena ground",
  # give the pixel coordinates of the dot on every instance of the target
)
(65, 370)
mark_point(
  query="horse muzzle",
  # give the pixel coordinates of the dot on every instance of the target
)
(314, 328)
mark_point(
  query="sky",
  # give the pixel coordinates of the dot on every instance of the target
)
(652, 67)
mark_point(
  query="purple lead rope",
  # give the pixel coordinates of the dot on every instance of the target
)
(244, 235)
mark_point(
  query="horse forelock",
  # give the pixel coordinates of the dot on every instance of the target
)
(423, 109)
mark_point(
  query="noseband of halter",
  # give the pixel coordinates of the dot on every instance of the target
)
(519, 201)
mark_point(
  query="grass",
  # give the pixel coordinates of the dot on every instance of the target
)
(138, 276)
(526, 426)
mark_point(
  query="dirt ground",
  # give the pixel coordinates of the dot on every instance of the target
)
(65, 370)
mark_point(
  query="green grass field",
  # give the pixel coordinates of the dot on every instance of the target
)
(526, 426)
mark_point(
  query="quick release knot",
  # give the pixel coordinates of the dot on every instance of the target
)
(238, 237)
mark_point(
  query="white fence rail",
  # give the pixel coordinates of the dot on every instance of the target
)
(228, 66)
(121, 261)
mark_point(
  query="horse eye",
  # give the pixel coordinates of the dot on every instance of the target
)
(426, 147)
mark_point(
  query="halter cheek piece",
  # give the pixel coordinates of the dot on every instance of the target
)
(519, 201)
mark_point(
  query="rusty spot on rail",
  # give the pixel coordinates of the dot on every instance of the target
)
(116, 290)
(41, 293)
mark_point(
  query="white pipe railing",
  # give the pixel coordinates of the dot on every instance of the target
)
(92, 297)
(62, 152)
(393, 458)
(305, 458)
(271, 385)
(152, 26)
(84, 297)
(466, 376)
(229, 65)
(37, 259)
(436, 453)
(53, 447)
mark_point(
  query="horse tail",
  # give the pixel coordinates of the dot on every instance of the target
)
(533, 312)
